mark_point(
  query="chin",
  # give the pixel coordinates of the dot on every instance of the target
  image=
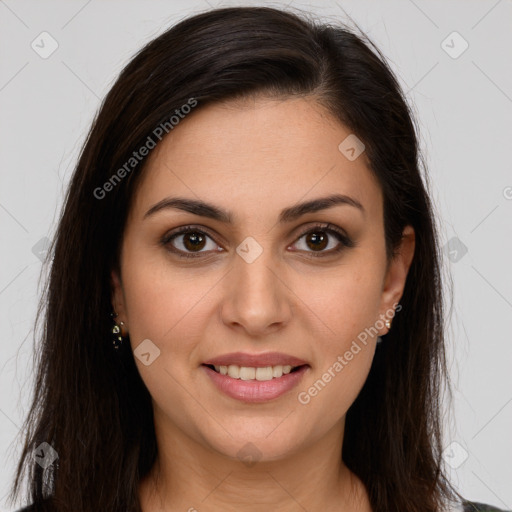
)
(250, 445)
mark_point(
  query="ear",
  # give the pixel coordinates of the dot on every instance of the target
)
(396, 275)
(118, 303)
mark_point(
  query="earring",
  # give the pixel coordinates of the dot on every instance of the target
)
(387, 323)
(118, 333)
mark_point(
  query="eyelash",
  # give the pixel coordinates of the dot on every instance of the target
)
(345, 241)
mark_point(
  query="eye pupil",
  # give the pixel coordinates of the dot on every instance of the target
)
(196, 240)
(316, 237)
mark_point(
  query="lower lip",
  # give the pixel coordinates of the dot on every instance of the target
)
(255, 391)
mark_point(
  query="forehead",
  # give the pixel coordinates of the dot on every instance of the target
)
(259, 151)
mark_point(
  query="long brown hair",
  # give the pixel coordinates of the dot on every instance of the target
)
(92, 406)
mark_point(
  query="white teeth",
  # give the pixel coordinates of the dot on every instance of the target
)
(277, 371)
(264, 373)
(251, 373)
(234, 371)
(247, 373)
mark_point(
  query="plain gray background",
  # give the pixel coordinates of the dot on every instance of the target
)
(463, 102)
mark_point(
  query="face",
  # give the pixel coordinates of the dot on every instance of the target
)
(265, 282)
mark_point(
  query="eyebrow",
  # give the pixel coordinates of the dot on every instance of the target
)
(203, 209)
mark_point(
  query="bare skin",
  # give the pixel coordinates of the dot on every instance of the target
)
(255, 158)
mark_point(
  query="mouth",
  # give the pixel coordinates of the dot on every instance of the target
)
(261, 373)
(255, 384)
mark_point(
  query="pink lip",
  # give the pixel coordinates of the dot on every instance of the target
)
(255, 391)
(255, 360)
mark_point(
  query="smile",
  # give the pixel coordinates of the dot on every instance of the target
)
(255, 384)
(253, 373)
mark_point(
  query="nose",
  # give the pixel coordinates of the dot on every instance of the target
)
(256, 296)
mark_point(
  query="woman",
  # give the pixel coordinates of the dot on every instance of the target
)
(284, 357)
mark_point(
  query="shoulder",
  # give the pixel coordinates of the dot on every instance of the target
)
(473, 506)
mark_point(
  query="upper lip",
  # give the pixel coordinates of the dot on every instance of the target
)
(255, 360)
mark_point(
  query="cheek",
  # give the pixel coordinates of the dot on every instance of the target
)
(166, 308)
(348, 304)
(156, 298)
(346, 301)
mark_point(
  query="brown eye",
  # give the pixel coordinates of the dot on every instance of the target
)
(189, 242)
(321, 237)
(317, 240)
(193, 241)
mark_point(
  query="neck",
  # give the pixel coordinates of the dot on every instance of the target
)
(191, 476)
